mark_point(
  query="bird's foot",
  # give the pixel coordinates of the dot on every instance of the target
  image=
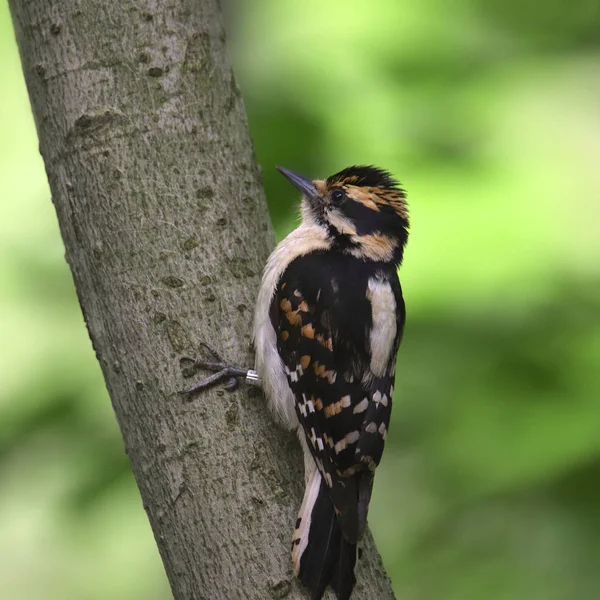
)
(222, 372)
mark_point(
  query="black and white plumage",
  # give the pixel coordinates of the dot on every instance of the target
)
(329, 319)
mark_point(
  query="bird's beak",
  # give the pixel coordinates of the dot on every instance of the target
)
(306, 186)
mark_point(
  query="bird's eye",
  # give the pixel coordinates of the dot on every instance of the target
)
(338, 195)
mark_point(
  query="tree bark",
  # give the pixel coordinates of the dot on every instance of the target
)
(161, 209)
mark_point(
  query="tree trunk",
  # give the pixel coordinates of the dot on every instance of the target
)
(162, 212)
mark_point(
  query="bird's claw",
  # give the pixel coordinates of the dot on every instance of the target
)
(222, 371)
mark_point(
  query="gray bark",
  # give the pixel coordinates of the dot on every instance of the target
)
(162, 212)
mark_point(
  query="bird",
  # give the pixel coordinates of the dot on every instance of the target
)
(328, 322)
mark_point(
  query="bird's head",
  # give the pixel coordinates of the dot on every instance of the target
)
(362, 209)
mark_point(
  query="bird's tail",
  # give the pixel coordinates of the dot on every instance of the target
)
(320, 554)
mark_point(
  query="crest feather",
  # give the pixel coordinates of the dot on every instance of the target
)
(364, 176)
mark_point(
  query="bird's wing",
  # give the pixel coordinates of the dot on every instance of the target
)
(343, 409)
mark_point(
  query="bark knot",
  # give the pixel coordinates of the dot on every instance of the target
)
(89, 123)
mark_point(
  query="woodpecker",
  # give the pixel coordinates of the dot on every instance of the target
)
(328, 322)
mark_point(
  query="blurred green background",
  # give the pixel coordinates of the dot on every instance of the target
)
(489, 113)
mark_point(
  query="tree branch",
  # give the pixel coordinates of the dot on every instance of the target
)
(162, 212)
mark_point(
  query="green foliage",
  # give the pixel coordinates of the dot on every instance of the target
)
(488, 114)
